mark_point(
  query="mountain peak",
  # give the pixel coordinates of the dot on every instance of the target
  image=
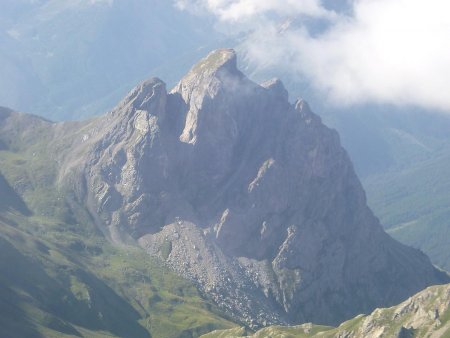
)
(223, 58)
(142, 96)
(277, 87)
(255, 198)
(218, 65)
(215, 73)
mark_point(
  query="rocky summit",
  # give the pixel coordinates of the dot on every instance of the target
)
(235, 188)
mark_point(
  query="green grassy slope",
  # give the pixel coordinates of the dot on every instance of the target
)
(59, 276)
(56, 282)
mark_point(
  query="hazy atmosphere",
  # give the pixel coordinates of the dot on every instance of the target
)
(224, 168)
(375, 51)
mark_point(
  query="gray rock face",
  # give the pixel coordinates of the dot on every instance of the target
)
(237, 189)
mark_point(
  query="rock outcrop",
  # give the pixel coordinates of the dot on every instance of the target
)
(241, 191)
(426, 314)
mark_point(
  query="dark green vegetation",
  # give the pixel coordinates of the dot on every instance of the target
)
(59, 276)
(414, 205)
(404, 165)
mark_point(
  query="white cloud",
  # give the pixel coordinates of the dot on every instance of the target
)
(101, 2)
(389, 51)
(238, 10)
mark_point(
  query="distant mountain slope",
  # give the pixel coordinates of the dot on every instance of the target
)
(408, 190)
(426, 314)
(236, 189)
(76, 58)
(414, 203)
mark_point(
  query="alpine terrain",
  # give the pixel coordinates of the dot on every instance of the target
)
(426, 314)
(226, 183)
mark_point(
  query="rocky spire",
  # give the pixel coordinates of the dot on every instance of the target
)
(149, 96)
(213, 74)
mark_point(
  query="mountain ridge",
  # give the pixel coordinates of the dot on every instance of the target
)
(426, 314)
(235, 188)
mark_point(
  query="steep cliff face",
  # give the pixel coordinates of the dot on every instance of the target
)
(239, 190)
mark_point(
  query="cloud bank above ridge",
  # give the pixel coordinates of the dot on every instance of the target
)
(382, 51)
